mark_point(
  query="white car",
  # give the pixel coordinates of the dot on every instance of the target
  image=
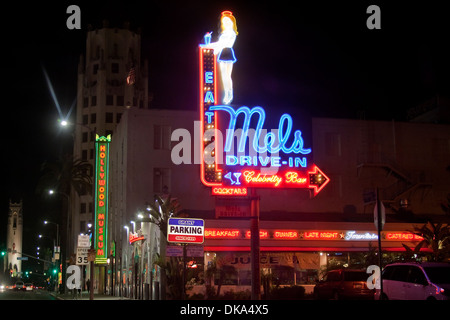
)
(415, 281)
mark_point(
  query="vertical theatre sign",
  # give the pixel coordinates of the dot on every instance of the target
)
(245, 154)
(101, 198)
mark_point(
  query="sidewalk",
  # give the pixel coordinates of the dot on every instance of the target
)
(85, 296)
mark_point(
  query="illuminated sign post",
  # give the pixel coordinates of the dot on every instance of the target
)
(101, 198)
(275, 159)
(245, 157)
(185, 230)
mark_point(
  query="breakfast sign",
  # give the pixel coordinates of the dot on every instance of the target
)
(245, 154)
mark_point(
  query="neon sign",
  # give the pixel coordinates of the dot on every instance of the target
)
(353, 235)
(321, 235)
(289, 234)
(224, 191)
(401, 236)
(275, 159)
(135, 237)
(101, 198)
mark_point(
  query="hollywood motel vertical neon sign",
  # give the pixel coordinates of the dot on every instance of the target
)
(230, 169)
(101, 199)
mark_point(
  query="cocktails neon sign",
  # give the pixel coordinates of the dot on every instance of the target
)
(275, 159)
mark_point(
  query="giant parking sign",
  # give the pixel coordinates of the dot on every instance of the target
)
(186, 230)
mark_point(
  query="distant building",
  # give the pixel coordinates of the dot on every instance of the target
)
(111, 78)
(14, 239)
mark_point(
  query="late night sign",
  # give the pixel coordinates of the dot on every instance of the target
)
(245, 153)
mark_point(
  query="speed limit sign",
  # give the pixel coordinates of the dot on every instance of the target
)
(82, 256)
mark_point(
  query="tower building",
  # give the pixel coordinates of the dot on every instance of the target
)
(111, 79)
(14, 238)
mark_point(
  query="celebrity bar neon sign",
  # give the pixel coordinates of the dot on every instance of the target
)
(101, 198)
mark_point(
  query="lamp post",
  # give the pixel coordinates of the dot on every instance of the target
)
(52, 192)
(125, 255)
(145, 220)
(57, 247)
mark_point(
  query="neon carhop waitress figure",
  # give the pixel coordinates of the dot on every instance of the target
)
(223, 48)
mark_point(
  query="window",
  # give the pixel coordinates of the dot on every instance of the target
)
(93, 118)
(109, 117)
(333, 144)
(85, 119)
(84, 137)
(85, 102)
(95, 68)
(120, 101)
(161, 179)
(93, 101)
(118, 117)
(416, 276)
(333, 276)
(84, 155)
(82, 207)
(109, 100)
(114, 67)
(161, 137)
(400, 273)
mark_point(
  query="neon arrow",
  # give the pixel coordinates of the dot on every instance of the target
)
(317, 180)
(313, 179)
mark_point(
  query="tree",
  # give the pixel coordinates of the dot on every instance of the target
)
(160, 211)
(64, 174)
(61, 176)
(436, 237)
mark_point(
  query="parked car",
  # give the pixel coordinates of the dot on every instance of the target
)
(344, 284)
(415, 281)
(19, 285)
(29, 286)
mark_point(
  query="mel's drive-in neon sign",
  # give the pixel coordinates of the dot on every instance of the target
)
(245, 157)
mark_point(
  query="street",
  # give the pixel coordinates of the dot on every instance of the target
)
(26, 295)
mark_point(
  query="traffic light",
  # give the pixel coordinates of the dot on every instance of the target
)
(55, 270)
(3, 253)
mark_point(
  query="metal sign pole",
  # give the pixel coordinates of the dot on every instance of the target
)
(379, 228)
(255, 247)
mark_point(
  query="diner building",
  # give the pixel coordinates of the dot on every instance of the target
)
(301, 235)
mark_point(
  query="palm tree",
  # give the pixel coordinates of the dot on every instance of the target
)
(64, 174)
(436, 237)
(61, 176)
(160, 211)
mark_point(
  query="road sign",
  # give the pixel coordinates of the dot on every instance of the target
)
(22, 258)
(186, 230)
(379, 225)
(82, 256)
(83, 241)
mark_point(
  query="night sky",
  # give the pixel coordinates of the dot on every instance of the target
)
(308, 59)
